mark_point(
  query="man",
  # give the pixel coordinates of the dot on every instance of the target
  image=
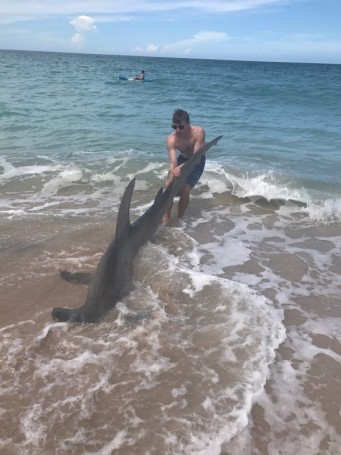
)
(140, 76)
(188, 139)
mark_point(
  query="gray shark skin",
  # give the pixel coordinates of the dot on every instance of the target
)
(112, 279)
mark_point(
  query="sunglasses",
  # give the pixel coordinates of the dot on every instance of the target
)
(181, 127)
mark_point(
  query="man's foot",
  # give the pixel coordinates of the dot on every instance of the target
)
(180, 222)
(165, 221)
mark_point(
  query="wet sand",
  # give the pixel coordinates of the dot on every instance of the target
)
(281, 421)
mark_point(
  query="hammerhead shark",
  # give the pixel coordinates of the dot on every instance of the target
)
(113, 277)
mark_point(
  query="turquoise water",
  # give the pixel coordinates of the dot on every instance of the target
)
(279, 120)
(230, 340)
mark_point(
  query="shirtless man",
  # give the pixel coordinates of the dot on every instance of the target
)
(141, 76)
(187, 139)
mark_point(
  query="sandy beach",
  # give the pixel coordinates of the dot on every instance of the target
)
(282, 417)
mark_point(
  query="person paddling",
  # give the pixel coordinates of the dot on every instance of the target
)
(140, 76)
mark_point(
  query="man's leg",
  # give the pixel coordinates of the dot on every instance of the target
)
(184, 200)
(167, 214)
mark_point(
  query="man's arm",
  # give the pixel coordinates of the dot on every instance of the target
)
(200, 139)
(172, 160)
(171, 154)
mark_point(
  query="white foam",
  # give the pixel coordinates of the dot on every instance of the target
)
(11, 172)
(62, 180)
(198, 282)
(33, 427)
(265, 185)
(325, 212)
(150, 167)
(106, 177)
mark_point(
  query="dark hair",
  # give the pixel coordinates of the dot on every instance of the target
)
(142, 71)
(180, 115)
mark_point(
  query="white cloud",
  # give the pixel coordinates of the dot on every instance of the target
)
(77, 38)
(11, 19)
(39, 8)
(84, 23)
(216, 37)
(109, 18)
(200, 38)
(151, 48)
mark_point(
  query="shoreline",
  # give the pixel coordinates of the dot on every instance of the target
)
(305, 375)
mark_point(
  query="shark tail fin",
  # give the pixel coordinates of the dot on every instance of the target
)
(215, 140)
(123, 218)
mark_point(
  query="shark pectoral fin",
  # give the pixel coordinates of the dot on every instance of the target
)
(80, 315)
(76, 277)
(123, 218)
(65, 315)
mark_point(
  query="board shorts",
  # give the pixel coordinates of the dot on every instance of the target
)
(195, 175)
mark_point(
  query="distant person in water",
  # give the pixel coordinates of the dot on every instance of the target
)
(140, 76)
(188, 139)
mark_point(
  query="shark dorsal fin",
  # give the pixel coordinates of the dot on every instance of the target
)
(123, 218)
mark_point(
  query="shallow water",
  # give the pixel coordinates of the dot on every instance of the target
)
(230, 340)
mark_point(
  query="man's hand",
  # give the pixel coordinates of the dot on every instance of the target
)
(169, 180)
(177, 171)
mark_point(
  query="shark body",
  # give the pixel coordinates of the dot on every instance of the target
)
(113, 277)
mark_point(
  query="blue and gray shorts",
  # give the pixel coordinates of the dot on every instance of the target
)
(195, 175)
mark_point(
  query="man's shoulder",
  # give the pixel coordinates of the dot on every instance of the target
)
(171, 138)
(197, 128)
(197, 131)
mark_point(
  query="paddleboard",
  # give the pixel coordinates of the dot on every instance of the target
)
(132, 78)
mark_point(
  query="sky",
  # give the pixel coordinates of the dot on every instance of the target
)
(307, 31)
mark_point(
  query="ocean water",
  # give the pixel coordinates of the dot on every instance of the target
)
(230, 341)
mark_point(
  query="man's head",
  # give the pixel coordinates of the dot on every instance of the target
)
(180, 116)
(180, 120)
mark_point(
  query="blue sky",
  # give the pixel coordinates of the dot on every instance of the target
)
(266, 30)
